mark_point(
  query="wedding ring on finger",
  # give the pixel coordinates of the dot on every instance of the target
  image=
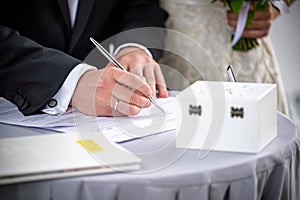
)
(116, 105)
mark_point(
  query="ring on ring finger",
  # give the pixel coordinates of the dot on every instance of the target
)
(115, 107)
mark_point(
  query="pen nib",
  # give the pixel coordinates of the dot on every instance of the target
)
(156, 104)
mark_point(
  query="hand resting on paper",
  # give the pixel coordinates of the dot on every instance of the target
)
(97, 92)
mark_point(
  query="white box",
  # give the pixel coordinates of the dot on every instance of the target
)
(227, 116)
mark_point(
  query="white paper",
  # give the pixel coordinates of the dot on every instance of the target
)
(117, 129)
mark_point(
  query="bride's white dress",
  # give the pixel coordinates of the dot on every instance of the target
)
(205, 23)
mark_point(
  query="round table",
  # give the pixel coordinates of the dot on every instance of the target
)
(169, 173)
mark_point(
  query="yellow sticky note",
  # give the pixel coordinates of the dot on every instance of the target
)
(89, 145)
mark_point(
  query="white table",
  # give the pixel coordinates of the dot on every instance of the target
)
(175, 174)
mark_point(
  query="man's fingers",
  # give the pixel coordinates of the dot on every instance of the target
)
(99, 93)
(120, 108)
(140, 63)
(162, 90)
(150, 78)
(130, 90)
(129, 80)
(124, 108)
(129, 96)
(137, 70)
(160, 82)
(119, 101)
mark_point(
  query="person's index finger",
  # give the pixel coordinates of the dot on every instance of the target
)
(132, 81)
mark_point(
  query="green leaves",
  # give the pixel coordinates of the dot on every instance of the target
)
(235, 5)
(250, 18)
(261, 5)
(245, 44)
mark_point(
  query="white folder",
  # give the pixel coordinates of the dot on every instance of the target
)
(61, 155)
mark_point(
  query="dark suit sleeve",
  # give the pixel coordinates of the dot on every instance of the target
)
(29, 73)
(144, 13)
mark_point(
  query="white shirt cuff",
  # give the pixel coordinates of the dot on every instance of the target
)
(132, 45)
(59, 103)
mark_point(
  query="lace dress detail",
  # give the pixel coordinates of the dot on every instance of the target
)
(205, 22)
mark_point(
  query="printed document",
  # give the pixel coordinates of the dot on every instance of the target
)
(116, 129)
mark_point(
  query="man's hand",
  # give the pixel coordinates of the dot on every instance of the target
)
(260, 25)
(137, 61)
(97, 92)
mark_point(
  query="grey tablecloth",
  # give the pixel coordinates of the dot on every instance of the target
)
(173, 174)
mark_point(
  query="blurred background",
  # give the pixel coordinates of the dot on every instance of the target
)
(285, 35)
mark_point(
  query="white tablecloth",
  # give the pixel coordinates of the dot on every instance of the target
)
(175, 174)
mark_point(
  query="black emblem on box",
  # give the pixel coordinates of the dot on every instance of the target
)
(197, 110)
(237, 112)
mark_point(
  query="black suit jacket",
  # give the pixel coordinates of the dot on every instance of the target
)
(31, 74)
(48, 23)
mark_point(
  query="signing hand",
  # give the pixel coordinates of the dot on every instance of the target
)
(260, 25)
(97, 92)
(137, 61)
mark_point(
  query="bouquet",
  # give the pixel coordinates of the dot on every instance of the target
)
(245, 18)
